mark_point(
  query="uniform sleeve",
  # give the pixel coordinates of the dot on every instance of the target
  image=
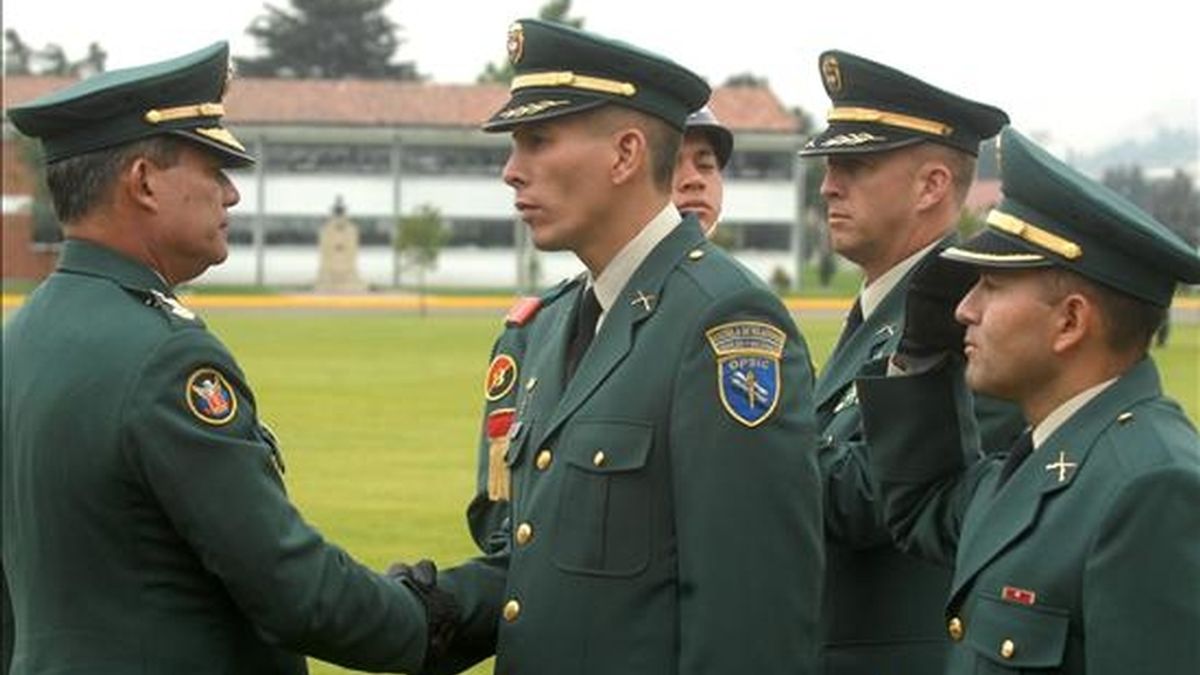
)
(921, 429)
(1141, 581)
(853, 505)
(746, 494)
(192, 432)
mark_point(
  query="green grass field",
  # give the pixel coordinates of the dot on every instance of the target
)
(378, 413)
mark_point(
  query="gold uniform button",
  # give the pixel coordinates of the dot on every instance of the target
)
(696, 254)
(598, 458)
(543, 460)
(512, 609)
(524, 533)
(955, 628)
(1007, 649)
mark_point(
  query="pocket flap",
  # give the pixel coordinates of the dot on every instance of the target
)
(605, 446)
(1018, 636)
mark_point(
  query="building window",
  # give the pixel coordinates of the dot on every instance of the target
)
(327, 158)
(756, 165)
(372, 230)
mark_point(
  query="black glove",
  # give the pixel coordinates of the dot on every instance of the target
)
(930, 330)
(442, 611)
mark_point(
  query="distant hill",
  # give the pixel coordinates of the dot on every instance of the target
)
(1165, 149)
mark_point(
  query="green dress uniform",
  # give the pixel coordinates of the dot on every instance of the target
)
(1085, 556)
(881, 611)
(659, 523)
(145, 519)
(882, 608)
(1087, 560)
(146, 526)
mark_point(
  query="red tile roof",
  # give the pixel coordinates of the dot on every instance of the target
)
(381, 102)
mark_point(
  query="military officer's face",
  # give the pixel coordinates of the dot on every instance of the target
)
(870, 198)
(191, 230)
(559, 169)
(1012, 321)
(698, 187)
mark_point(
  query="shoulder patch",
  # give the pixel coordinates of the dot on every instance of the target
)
(748, 379)
(501, 376)
(522, 312)
(209, 397)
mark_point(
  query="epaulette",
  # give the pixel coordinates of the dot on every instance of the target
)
(527, 307)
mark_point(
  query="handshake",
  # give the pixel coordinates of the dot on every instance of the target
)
(442, 611)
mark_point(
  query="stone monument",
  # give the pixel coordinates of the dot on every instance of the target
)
(338, 245)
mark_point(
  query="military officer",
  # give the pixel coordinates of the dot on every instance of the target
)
(697, 189)
(899, 159)
(663, 513)
(1077, 552)
(146, 526)
(699, 186)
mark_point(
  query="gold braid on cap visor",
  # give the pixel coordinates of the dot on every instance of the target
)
(889, 119)
(1033, 234)
(183, 112)
(566, 78)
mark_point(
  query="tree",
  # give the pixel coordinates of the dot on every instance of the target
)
(555, 11)
(327, 39)
(17, 54)
(21, 59)
(1172, 201)
(419, 240)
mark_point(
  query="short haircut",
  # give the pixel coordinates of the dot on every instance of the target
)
(1129, 323)
(662, 140)
(82, 183)
(961, 165)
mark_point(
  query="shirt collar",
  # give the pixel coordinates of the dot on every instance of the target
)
(873, 294)
(620, 269)
(85, 257)
(1064, 412)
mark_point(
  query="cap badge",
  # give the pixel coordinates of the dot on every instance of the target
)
(516, 43)
(832, 74)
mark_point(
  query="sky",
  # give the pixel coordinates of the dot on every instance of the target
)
(1074, 74)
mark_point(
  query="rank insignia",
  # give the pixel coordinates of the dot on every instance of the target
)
(210, 397)
(501, 376)
(748, 354)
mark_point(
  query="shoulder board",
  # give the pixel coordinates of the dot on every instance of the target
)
(525, 309)
(174, 310)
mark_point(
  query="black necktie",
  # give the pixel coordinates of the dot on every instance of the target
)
(853, 320)
(1017, 454)
(586, 314)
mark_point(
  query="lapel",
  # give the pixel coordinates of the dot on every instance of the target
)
(617, 333)
(878, 334)
(1002, 517)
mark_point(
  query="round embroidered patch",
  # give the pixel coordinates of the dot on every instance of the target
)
(210, 397)
(501, 376)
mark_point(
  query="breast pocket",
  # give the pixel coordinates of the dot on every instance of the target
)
(603, 524)
(1011, 638)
